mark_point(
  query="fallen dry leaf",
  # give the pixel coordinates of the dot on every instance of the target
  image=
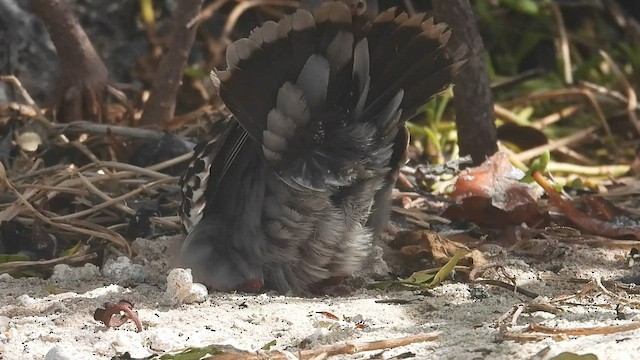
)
(491, 195)
(583, 220)
(438, 247)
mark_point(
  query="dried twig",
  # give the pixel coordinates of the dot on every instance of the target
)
(17, 266)
(507, 286)
(79, 127)
(602, 330)
(574, 138)
(160, 107)
(563, 43)
(118, 199)
(23, 92)
(632, 97)
(564, 93)
(207, 12)
(333, 350)
(248, 4)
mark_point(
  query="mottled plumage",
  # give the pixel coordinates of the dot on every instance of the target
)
(293, 187)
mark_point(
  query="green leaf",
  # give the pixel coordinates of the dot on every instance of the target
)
(419, 278)
(5, 258)
(572, 356)
(529, 7)
(444, 271)
(195, 73)
(73, 250)
(193, 353)
(540, 165)
(382, 285)
(268, 345)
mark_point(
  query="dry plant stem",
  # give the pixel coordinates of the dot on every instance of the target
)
(104, 196)
(411, 10)
(45, 171)
(207, 12)
(353, 348)
(115, 200)
(419, 215)
(516, 314)
(15, 266)
(517, 79)
(576, 157)
(79, 127)
(248, 4)
(598, 171)
(563, 43)
(14, 209)
(160, 107)
(607, 94)
(507, 115)
(603, 242)
(603, 330)
(562, 93)
(78, 227)
(632, 97)
(43, 187)
(23, 92)
(122, 99)
(86, 152)
(333, 350)
(510, 287)
(557, 116)
(522, 338)
(401, 194)
(615, 296)
(132, 170)
(569, 140)
(628, 288)
(171, 222)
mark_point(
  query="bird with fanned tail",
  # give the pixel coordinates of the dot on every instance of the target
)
(295, 185)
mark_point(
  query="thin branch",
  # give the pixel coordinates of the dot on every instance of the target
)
(248, 4)
(160, 107)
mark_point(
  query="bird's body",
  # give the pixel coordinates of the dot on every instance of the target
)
(293, 187)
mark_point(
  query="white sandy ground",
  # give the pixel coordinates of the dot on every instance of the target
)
(35, 324)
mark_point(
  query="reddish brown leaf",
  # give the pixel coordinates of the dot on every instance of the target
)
(605, 210)
(491, 195)
(584, 221)
(328, 314)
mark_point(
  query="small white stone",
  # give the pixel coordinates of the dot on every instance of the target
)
(64, 272)
(6, 278)
(26, 300)
(182, 290)
(242, 325)
(104, 291)
(59, 353)
(4, 323)
(164, 339)
(122, 269)
(128, 341)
